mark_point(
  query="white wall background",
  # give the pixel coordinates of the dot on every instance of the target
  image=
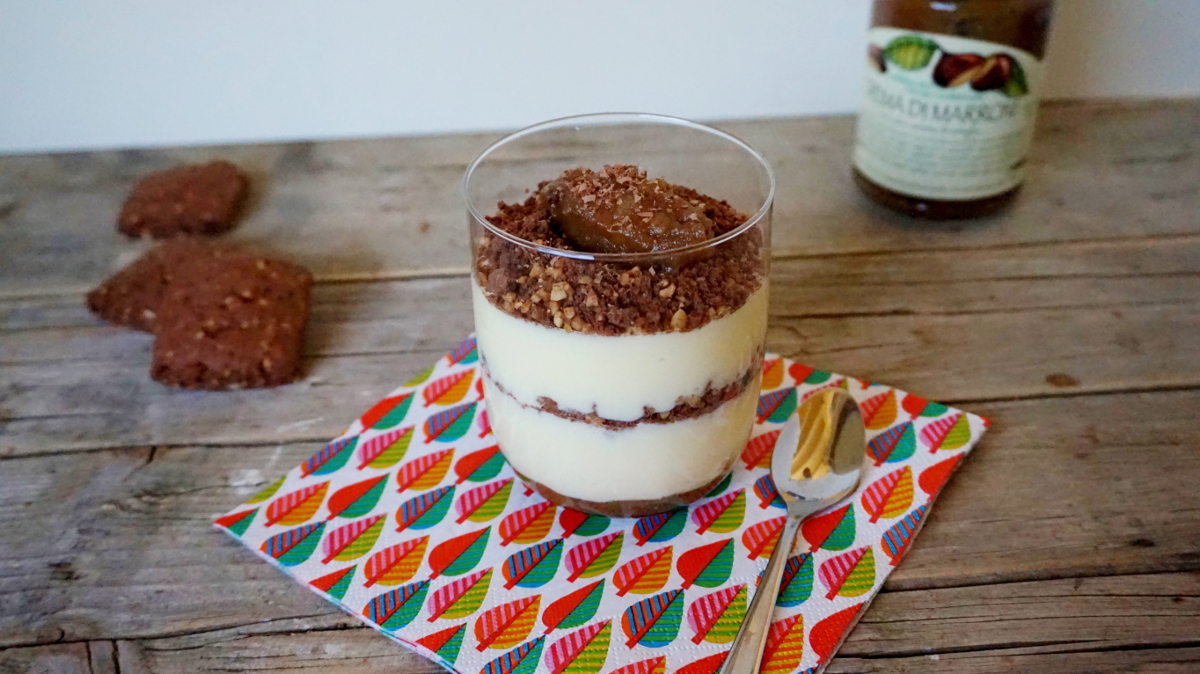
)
(80, 74)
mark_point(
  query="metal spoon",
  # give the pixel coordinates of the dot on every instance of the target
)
(830, 416)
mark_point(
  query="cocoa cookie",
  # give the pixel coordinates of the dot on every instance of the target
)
(194, 199)
(131, 296)
(231, 320)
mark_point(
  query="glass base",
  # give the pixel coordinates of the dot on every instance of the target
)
(933, 209)
(624, 508)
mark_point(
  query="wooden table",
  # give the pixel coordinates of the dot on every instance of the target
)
(1069, 542)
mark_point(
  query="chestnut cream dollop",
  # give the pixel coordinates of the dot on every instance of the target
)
(619, 210)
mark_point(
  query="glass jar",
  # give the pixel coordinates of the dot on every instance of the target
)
(621, 384)
(951, 94)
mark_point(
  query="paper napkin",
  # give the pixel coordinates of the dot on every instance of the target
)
(412, 521)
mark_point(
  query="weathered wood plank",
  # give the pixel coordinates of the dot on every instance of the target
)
(1063, 619)
(108, 545)
(1143, 661)
(960, 358)
(103, 545)
(1067, 487)
(102, 657)
(356, 208)
(963, 326)
(347, 318)
(968, 357)
(1008, 278)
(354, 650)
(1036, 276)
(51, 659)
(363, 652)
(1105, 613)
(90, 405)
(1093, 274)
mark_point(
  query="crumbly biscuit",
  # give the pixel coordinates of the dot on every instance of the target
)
(131, 296)
(231, 320)
(193, 199)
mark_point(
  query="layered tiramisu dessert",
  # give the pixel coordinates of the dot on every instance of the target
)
(620, 322)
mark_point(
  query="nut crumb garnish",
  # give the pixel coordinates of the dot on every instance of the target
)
(599, 297)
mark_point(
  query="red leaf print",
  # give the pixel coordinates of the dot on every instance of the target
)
(934, 477)
(827, 634)
(758, 450)
(760, 538)
(645, 574)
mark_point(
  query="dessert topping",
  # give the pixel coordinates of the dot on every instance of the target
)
(619, 210)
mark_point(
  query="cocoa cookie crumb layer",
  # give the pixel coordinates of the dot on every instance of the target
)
(697, 406)
(194, 199)
(232, 320)
(639, 508)
(613, 299)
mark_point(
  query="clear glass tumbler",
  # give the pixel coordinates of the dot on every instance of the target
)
(621, 384)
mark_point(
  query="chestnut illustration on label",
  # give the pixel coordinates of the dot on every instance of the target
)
(955, 70)
(984, 74)
(998, 72)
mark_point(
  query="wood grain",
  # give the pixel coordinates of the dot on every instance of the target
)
(124, 546)
(102, 657)
(1069, 542)
(355, 650)
(1011, 278)
(51, 659)
(960, 326)
(1110, 613)
(1066, 623)
(109, 545)
(1137, 661)
(1078, 486)
(354, 209)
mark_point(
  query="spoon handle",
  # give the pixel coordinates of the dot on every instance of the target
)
(747, 649)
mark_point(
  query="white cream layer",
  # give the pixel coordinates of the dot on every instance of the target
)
(617, 376)
(642, 462)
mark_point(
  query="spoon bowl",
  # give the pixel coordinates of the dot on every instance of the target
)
(817, 461)
(829, 421)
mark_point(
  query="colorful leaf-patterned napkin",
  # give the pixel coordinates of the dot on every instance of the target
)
(413, 522)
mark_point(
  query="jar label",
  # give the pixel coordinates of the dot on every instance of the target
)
(945, 117)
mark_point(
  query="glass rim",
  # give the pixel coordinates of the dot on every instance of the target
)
(653, 118)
